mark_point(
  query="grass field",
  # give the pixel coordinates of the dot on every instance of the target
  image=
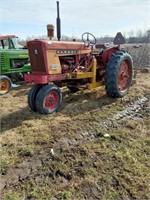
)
(94, 147)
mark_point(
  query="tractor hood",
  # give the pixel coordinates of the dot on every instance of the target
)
(12, 52)
(59, 45)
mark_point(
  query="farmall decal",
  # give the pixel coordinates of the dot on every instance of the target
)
(69, 51)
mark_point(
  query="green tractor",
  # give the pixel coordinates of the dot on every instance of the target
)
(14, 62)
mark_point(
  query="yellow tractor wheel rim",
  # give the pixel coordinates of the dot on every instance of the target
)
(4, 86)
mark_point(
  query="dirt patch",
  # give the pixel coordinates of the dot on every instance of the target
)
(94, 147)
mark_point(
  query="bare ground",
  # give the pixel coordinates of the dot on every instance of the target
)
(94, 147)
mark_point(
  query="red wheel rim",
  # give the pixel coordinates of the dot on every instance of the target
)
(51, 100)
(124, 75)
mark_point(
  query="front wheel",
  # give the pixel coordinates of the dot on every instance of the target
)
(118, 74)
(5, 84)
(32, 96)
(48, 99)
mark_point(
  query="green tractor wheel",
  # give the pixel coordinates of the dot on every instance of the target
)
(118, 74)
(5, 84)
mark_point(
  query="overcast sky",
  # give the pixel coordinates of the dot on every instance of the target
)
(100, 17)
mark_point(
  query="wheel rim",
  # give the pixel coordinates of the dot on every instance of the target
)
(124, 76)
(4, 86)
(51, 100)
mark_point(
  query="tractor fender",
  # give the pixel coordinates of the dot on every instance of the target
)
(108, 53)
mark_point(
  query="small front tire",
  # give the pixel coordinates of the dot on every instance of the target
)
(32, 96)
(48, 99)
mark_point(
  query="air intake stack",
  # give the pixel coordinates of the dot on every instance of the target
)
(50, 31)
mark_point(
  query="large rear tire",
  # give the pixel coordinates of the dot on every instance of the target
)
(48, 99)
(5, 84)
(118, 74)
(32, 96)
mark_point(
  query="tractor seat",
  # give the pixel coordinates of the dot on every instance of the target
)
(101, 45)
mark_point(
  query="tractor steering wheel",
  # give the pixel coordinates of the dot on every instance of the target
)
(88, 40)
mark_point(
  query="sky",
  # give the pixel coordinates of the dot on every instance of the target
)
(27, 18)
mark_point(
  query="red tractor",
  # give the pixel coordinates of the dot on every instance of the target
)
(77, 65)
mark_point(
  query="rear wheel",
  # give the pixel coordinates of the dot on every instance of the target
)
(5, 84)
(32, 96)
(48, 99)
(118, 74)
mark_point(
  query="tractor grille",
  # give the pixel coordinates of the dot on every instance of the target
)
(37, 53)
(1, 61)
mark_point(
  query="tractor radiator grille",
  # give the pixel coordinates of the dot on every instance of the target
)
(1, 61)
(37, 53)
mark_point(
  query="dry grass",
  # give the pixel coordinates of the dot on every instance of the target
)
(85, 164)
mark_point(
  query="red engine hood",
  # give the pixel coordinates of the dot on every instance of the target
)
(55, 45)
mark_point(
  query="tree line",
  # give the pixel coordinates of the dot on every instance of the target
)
(141, 37)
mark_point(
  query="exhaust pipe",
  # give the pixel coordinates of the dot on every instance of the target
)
(58, 22)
